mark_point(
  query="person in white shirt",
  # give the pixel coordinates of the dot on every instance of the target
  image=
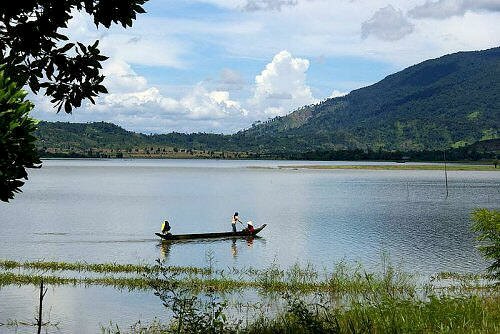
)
(234, 220)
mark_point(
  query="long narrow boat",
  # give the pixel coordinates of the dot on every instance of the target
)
(211, 235)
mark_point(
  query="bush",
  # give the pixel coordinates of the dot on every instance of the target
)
(487, 225)
(17, 143)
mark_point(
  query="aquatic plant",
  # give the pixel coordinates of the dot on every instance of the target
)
(98, 267)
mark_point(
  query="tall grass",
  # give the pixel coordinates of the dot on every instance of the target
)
(97, 267)
(347, 299)
(343, 279)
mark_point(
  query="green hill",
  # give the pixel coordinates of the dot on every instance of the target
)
(446, 102)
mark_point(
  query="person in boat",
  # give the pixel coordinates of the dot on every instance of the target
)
(234, 220)
(165, 227)
(250, 227)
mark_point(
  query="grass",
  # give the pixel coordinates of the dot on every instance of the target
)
(98, 267)
(273, 279)
(449, 167)
(391, 315)
(347, 299)
(342, 280)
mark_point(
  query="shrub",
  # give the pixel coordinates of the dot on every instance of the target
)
(487, 225)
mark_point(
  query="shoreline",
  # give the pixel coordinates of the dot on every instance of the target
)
(449, 167)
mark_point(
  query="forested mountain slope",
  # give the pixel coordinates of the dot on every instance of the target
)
(447, 102)
(444, 102)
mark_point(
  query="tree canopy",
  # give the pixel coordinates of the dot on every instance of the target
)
(17, 142)
(35, 52)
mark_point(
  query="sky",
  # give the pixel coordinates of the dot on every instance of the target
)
(220, 65)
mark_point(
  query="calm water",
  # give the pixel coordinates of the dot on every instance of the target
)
(108, 210)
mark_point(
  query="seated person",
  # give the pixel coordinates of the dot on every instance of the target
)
(250, 228)
(165, 227)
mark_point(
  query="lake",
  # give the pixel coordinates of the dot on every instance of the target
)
(108, 211)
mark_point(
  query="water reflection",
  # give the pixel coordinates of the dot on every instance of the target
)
(165, 250)
(250, 241)
(165, 246)
(234, 249)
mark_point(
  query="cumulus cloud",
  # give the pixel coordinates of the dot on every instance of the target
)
(281, 86)
(137, 105)
(388, 23)
(198, 104)
(203, 104)
(132, 102)
(337, 93)
(442, 9)
(121, 78)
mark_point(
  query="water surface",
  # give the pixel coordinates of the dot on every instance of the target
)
(108, 211)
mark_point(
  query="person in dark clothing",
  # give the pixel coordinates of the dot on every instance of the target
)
(165, 227)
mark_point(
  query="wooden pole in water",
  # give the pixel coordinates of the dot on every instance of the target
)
(42, 294)
(445, 173)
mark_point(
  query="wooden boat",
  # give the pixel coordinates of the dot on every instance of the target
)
(238, 234)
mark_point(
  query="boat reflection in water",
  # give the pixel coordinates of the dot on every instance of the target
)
(165, 250)
(250, 241)
(166, 245)
(234, 249)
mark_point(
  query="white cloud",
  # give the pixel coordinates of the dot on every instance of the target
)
(121, 78)
(198, 104)
(203, 104)
(196, 45)
(143, 44)
(442, 9)
(135, 104)
(388, 24)
(281, 86)
(337, 93)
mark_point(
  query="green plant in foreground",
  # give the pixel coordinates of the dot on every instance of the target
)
(17, 143)
(487, 225)
(190, 313)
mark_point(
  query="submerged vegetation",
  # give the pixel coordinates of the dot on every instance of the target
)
(347, 299)
(296, 279)
(361, 302)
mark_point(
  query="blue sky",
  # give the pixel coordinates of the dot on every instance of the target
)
(220, 65)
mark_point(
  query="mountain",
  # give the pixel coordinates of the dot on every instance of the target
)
(445, 102)
(452, 101)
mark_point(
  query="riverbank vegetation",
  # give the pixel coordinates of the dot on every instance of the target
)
(387, 302)
(487, 226)
(107, 140)
(452, 167)
(347, 299)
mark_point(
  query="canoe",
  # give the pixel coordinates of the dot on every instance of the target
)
(211, 235)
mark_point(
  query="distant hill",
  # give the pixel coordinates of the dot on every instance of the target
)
(446, 102)
(108, 135)
(106, 140)
(452, 101)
